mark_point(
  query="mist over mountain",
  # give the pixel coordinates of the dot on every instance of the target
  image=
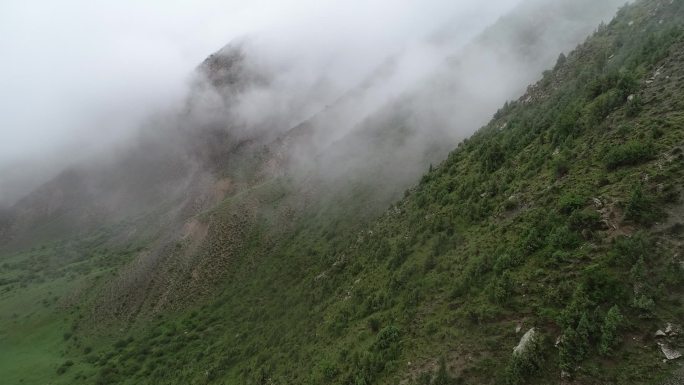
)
(253, 89)
(112, 65)
(342, 193)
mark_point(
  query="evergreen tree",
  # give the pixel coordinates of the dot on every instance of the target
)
(610, 329)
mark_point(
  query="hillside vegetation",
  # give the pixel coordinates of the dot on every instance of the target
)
(560, 224)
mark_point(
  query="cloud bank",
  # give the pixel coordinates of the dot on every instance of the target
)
(81, 77)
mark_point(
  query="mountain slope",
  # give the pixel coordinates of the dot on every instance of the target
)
(562, 214)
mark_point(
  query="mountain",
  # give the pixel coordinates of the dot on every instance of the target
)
(270, 255)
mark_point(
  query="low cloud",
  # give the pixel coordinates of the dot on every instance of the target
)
(79, 78)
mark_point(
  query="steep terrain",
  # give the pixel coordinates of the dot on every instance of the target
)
(560, 220)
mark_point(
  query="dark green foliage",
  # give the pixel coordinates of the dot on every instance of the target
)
(493, 156)
(369, 364)
(628, 154)
(610, 330)
(575, 343)
(622, 82)
(567, 124)
(64, 367)
(506, 262)
(564, 238)
(584, 329)
(388, 339)
(502, 288)
(329, 371)
(430, 263)
(587, 219)
(374, 324)
(641, 207)
(627, 251)
(644, 303)
(560, 166)
(570, 202)
(523, 366)
(399, 255)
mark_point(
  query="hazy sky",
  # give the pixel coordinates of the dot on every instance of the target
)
(79, 75)
(73, 68)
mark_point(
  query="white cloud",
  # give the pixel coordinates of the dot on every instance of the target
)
(78, 72)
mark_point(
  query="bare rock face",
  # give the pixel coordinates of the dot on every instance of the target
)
(525, 341)
(672, 330)
(669, 352)
(667, 341)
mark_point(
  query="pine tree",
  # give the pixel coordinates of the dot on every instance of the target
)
(610, 329)
(583, 333)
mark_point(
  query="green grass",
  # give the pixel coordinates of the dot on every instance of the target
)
(43, 293)
(32, 338)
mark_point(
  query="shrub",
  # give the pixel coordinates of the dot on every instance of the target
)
(328, 370)
(560, 166)
(399, 255)
(511, 204)
(64, 367)
(566, 124)
(502, 288)
(374, 324)
(430, 263)
(382, 250)
(492, 157)
(602, 106)
(571, 202)
(584, 219)
(644, 303)
(564, 238)
(441, 245)
(628, 250)
(532, 240)
(505, 262)
(387, 338)
(629, 154)
(641, 208)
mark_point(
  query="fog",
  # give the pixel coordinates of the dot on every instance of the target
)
(79, 78)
